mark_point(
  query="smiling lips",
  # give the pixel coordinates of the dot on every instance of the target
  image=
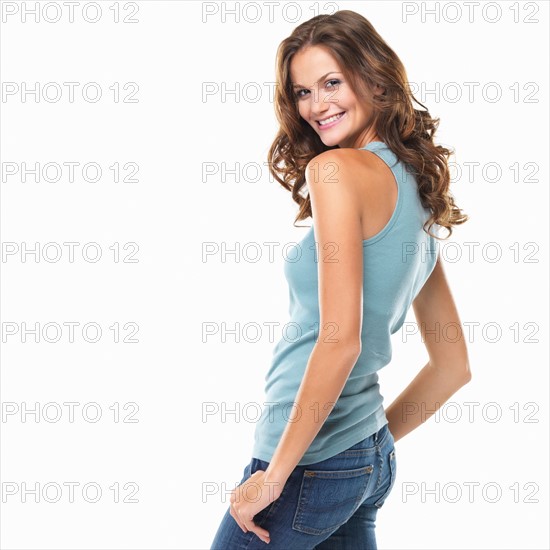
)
(331, 121)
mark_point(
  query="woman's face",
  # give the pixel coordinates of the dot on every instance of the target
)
(321, 92)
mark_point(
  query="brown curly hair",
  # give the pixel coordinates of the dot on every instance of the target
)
(365, 60)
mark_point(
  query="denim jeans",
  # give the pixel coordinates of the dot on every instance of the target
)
(329, 505)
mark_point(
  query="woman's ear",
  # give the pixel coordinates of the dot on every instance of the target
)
(379, 90)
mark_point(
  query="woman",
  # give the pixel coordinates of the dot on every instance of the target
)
(324, 458)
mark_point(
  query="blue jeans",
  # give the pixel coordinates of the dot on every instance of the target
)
(329, 505)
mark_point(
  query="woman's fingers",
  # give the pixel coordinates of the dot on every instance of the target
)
(261, 533)
(243, 507)
(235, 513)
(248, 524)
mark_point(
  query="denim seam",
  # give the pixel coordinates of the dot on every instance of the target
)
(391, 466)
(302, 501)
(380, 469)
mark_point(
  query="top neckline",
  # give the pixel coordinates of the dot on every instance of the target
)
(372, 143)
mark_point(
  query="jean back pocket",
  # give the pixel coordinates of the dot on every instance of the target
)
(328, 498)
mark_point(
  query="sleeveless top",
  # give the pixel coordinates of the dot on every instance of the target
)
(397, 261)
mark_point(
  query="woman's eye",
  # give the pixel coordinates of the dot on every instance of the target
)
(334, 81)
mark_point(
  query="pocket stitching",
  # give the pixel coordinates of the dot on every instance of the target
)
(383, 498)
(297, 522)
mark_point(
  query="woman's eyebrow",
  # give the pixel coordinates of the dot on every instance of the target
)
(320, 78)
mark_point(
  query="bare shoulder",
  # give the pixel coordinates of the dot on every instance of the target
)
(347, 165)
(331, 179)
(346, 159)
(366, 179)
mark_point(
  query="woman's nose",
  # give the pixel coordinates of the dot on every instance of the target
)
(319, 104)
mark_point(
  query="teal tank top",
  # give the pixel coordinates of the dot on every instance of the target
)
(397, 261)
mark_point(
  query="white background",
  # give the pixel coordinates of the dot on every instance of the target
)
(171, 453)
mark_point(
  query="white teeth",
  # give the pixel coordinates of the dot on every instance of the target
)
(331, 119)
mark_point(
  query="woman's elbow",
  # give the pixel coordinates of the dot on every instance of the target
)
(462, 372)
(348, 348)
(467, 372)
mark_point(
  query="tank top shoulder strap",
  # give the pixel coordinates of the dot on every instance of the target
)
(390, 158)
(383, 151)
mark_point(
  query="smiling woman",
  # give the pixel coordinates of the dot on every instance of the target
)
(324, 456)
(333, 102)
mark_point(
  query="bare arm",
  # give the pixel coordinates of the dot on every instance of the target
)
(338, 233)
(448, 368)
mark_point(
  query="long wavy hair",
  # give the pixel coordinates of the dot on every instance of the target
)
(365, 60)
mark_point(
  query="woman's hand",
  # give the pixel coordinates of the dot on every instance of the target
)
(251, 497)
